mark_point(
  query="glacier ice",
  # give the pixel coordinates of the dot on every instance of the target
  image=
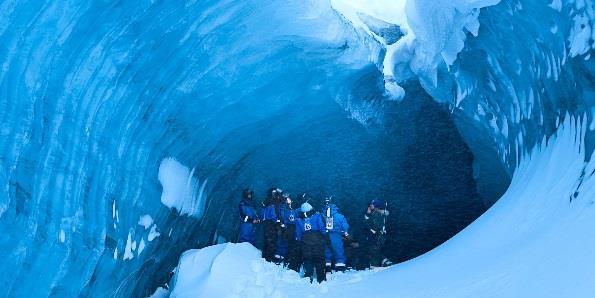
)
(431, 103)
(181, 190)
(433, 33)
(533, 242)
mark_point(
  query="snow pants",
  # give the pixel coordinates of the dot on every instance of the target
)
(282, 245)
(248, 233)
(355, 255)
(270, 240)
(286, 242)
(335, 250)
(313, 245)
(293, 258)
(375, 244)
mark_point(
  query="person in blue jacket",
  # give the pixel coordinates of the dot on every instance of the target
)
(271, 217)
(286, 243)
(337, 227)
(311, 232)
(248, 218)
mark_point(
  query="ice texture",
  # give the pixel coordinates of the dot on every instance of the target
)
(515, 78)
(432, 34)
(536, 241)
(181, 190)
(324, 97)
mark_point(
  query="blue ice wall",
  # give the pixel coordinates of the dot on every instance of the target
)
(94, 94)
(515, 82)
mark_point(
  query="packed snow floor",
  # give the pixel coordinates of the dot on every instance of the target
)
(538, 240)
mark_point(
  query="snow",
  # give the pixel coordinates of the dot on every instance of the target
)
(433, 34)
(160, 293)
(536, 241)
(128, 255)
(93, 101)
(153, 233)
(181, 189)
(556, 4)
(582, 33)
(145, 221)
(141, 246)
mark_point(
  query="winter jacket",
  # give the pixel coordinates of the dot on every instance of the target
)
(336, 223)
(376, 221)
(247, 211)
(270, 213)
(288, 215)
(309, 223)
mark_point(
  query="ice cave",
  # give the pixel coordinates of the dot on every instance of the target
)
(128, 130)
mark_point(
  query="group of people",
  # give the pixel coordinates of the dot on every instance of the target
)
(318, 241)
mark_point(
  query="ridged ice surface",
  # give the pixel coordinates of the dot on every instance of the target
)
(95, 95)
(524, 65)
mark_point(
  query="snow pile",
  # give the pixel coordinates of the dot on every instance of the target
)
(237, 270)
(181, 189)
(538, 240)
(418, 35)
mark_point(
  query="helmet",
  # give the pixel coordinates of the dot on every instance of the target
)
(306, 207)
(247, 193)
(288, 199)
(274, 192)
(377, 203)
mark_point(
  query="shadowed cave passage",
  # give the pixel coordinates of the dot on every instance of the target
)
(414, 158)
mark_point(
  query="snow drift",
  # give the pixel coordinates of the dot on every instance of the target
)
(538, 240)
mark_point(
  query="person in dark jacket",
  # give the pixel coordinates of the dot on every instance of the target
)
(354, 255)
(311, 232)
(287, 246)
(375, 219)
(337, 228)
(248, 218)
(271, 218)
